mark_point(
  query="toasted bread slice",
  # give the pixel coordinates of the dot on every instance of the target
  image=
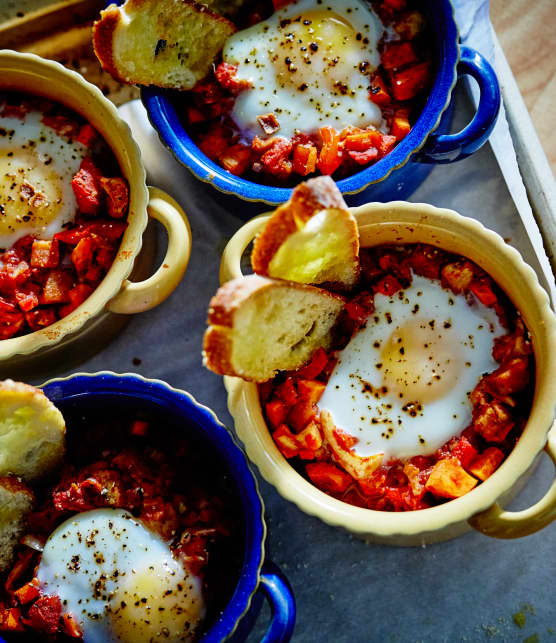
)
(16, 501)
(312, 239)
(32, 431)
(259, 326)
(227, 8)
(168, 43)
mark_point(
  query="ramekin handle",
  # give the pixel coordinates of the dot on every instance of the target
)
(136, 297)
(230, 266)
(498, 523)
(282, 603)
(447, 148)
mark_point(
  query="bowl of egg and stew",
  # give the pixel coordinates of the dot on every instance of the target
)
(355, 90)
(149, 528)
(74, 206)
(435, 398)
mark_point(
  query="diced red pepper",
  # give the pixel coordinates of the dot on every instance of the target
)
(313, 369)
(77, 296)
(40, 318)
(330, 157)
(276, 412)
(139, 427)
(328, 477)
(278, 4)
(195, 116)
(117, 194)
(378, 93)
(44, 614)
(287, 392)
(398, 54)
(481, 287)
(87, 187)
(408, 82)
(45, 254)
(305, 159)
(87, 135)
(388, 285)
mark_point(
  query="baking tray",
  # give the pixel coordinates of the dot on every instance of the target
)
(469, 589)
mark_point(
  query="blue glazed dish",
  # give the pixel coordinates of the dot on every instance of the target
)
(84, 393)
(406, 166)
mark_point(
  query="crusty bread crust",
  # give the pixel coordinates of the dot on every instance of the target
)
(111, 20)
(307, 199)
(16, 501)
(218, 342)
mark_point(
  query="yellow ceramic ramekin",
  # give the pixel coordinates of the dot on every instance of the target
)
(400, 222)
(34, 75)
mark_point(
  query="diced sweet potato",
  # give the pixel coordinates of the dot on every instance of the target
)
(481, 287)
(45, 254)
(448, 479)
(310, 390)
(10, 621)
(285, 441)
(77, 296)
(493, 421)
(510, 377)
(276, 412)
(10, 324)
(486, 463)
(29, 592)
(457, 276)
(56, 288)
(328, 477)
(305, 159)
(310, 438)
(330, 157)
(300, 415)
(236, 159)
(40, 318)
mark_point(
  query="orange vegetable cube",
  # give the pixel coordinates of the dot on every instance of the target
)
(330, 157)
(285, 441)
(276, 412)
(398, 54)
(305, 159)
(117, 194)
(510, 377)
(315, 366)
(71, 626)
(287, 392)
(301, 414)
(378, 93)
(400, 124)
(328, 477)
(408, 82)
(57, 287)
(457, 276)
(29, 592)
(12, 620)
(310, 390)
(448, 479)
(485, 464)
(236, 159)
(481, 287)
(45, 254)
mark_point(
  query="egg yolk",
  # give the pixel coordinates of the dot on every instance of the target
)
(317, 42)
(419, 362)
(156, 604)
(30, 191)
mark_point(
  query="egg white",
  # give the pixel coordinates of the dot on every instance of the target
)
(120, 580)
(401, 385)
(323, 84)
(36, 169)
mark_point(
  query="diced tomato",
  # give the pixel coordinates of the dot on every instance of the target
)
(425, 261)
(45, 614)
(236, 159)
(139, 427)
(87, 187)
(388, 285)
(481, 287)
(57, 287)
(45, 254)
(305, 159)
(62, 125)
(77, 296)
(398, 54)
(105, 228)
(71, 626)
(330, 157)
(287, 392)
(274, 159)
(117, 194)
(40, 318)
(313, 369)
(10, 324)
(328, 477)
(226, 75)
(408, 82)
(29, 592)
(276, 412)
(378, 93)
(310, 390)
(87, 135)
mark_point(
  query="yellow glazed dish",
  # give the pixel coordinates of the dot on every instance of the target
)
(116, 294)
(399, 222)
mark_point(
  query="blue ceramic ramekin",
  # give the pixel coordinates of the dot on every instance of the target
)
(427, 143)
(84, 393)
